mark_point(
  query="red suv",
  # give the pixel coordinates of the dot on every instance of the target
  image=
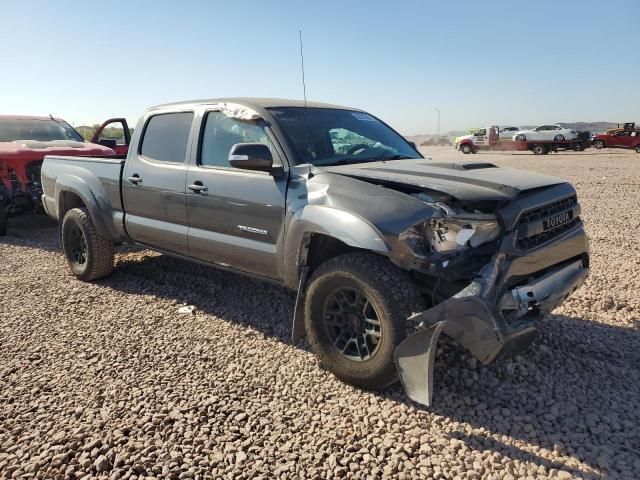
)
(619, 138)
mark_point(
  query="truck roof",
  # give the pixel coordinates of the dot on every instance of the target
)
(255, 103)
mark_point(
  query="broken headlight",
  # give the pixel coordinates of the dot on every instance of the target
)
(461, 231)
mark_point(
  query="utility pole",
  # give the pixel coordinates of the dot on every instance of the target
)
(438, 134)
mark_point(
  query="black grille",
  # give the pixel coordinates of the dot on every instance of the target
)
(546, 211)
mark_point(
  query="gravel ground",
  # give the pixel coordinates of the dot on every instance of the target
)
(107, 380)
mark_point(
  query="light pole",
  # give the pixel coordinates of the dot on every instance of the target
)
(438, 134)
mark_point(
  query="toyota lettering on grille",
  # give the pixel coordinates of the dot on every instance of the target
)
(557, 220)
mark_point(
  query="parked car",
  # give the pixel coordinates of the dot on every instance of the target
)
(507, 132)
(24, 142)
(555, 133)
(619, 138)
(385, 249)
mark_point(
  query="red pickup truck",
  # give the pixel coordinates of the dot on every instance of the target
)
(24, 142)
(627, 137)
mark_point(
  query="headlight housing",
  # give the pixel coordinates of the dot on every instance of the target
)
(459, 232)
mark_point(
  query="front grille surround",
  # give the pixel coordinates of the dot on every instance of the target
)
(536, 216)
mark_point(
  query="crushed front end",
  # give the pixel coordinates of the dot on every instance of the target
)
(20, 187)
(489, 295)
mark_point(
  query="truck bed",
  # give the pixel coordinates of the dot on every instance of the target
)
(99, 177)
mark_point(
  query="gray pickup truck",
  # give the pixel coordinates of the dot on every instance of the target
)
(386, 249)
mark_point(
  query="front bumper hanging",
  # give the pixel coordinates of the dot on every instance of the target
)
(473, 317)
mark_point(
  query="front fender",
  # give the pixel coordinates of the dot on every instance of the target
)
(345, 226)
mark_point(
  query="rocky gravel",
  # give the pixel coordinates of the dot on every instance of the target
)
(108, 380)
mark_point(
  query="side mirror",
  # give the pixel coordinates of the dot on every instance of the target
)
(252, 156)
(108, 142)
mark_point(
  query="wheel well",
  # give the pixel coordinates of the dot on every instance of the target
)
(323, 247)
(68, 200)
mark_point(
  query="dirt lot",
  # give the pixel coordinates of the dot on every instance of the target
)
(107, 380)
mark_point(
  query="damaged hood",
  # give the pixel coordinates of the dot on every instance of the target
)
(467, 181)
(37, 149)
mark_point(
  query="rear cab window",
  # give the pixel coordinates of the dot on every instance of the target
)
(166, 137)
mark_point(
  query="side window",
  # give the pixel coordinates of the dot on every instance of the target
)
(166, 136)
(222, 132)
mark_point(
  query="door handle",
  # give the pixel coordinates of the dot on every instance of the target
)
(197, 187)
(135, 179)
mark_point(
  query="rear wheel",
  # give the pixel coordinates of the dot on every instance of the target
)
(539, 149)
(89, 255)
(578, 147)
(599, 144)
(637, 149)
(356, 311)
(521, 138)
(466, 148)
(559, 138)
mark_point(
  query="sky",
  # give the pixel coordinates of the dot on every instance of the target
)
(478, 62)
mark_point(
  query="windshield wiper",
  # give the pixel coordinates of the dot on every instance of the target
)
(400, 156)
(346, 161)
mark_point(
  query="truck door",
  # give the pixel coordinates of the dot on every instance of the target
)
(480, 138)
(154, 182)
(235, 216)
(115, 134)
(620, 139)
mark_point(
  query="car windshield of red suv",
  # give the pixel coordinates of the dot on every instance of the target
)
(45, 130)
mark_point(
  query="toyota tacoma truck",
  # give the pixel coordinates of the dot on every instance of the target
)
(386, 250)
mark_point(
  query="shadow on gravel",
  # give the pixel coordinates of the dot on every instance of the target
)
(33, 231)
(230, 296)
(576, 392)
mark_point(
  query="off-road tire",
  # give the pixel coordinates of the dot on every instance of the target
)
(99, 251)
(466, 149)
(599, 144)
(3, 220)
(391, 292)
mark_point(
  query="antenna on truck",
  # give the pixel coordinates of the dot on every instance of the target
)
(304, 94)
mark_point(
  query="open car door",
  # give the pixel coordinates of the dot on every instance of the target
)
(108, 135)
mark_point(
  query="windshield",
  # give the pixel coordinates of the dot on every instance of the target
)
(44, 129)
(335, 136)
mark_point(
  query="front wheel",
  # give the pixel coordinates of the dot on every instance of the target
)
(599, 144)
(89, 255)
(521, 138)
(356, 311)
(637, 149)
(466, 149)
